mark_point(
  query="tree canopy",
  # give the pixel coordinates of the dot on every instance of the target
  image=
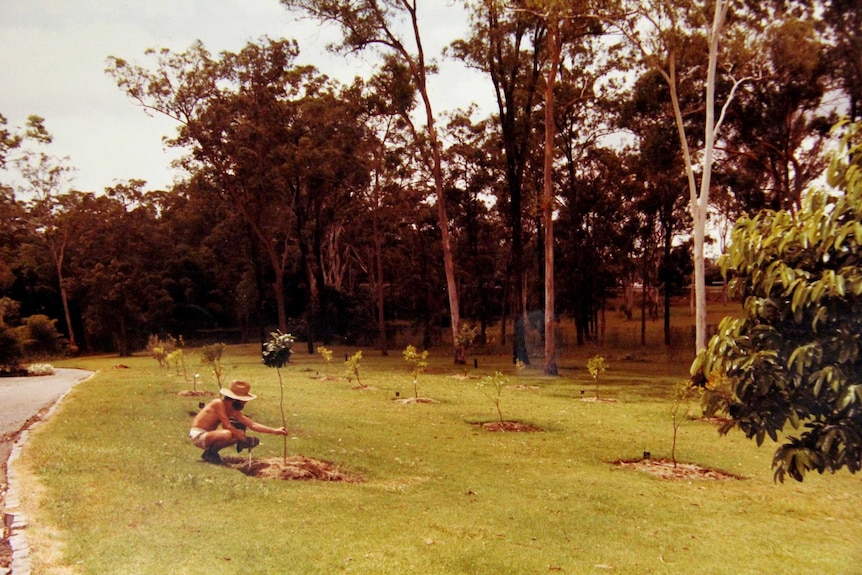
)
(326, 209)
(795, 356)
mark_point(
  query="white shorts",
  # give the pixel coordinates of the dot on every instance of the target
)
(196, 434)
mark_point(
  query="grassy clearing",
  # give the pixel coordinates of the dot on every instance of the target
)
(123, 491)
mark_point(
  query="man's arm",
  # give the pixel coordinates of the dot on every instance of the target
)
(259, 427)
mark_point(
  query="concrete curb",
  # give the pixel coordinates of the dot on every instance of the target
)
(15, 520)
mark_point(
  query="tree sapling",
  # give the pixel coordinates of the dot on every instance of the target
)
(682, 392)
(211, 355)
(276, 353)
(326, 353)
(351, 368)
(597, 366)
(419, 361)
(492, 387)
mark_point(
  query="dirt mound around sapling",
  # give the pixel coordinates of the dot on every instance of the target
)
(295, 467)
(407, 400)
(598, 400)
(195, 393)
(508, 426)
(665, 469)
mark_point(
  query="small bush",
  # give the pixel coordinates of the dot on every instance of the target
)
(40, 337)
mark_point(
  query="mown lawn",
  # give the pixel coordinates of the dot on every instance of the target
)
(118, 488)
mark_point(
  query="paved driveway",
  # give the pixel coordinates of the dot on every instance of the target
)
(24, 397)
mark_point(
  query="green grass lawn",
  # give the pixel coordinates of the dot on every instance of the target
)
(124, 492)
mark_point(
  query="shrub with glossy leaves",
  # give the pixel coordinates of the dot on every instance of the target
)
(277, 349)
(793, 361)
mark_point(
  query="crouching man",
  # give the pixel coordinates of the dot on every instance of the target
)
(227, 412)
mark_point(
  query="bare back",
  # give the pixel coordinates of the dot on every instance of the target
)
(211, 415)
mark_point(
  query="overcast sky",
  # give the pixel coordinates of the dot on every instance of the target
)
(53, 55)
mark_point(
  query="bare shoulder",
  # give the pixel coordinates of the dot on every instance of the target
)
(209, 417)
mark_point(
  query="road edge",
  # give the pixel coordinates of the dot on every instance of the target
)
(15, 520)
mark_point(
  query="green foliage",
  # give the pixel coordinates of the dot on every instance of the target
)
(211, 355)
(351, 367)
(159, 350)
(326, 353)
(9, 310)
(40, 338)
(492, 387)
(418, 361)
(465, 338)
(11, 350)
(597, 367)
(794, 358)
(176, 358)
(278, 349)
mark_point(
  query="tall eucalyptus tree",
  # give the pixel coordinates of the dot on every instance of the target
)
(508, 46)
(682, 41)
(370, 24)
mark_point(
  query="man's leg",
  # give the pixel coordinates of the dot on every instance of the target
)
(215, 441)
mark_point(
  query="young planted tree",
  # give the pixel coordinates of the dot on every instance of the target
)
(211, 355)
(792, 359)
(492, 387)
(466, 337)
(276, 353)
(682, 392)
(418, 362)
(326, 354)
(597, 367)
(351, 368)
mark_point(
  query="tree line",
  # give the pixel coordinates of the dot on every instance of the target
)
(338, 212)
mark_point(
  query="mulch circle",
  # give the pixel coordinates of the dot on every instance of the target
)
(665, 469)
(508, 426)
(295, 467)
(195, 393)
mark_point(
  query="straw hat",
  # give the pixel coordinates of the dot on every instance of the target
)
(238, 390)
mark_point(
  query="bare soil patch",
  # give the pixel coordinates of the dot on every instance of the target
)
(508, 426)
(407, 400)
(195, 393)
(598, 400)
(295, 467)
(665, 469)
(5, 551)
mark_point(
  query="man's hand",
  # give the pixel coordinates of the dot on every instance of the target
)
(280, 431)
